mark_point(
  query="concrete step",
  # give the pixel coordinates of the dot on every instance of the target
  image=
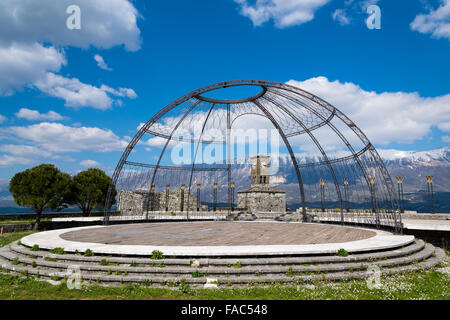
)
(427, 251)
(223, 280)
(205, 262)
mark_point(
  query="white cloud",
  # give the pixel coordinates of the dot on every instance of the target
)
(341, 17)
(104, 23)
(78, 94)
(2, 118)
(59, 138)
(385, 117)
(436, 22)
(25, 62)
(31, 115)
(21, 154)
(446, 139)
(90, 164)
(285, 13)
(101, 63)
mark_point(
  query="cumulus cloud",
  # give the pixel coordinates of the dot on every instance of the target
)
(387, 116)
(284, 13)
(23, 64)
(25, 61)
(78, 94)
(101, 63)
(31, 115)
(21, 155)
(90, 164)
(2, 118)
(341, 17)
(104, 23)
(435, 22)
(59, 138)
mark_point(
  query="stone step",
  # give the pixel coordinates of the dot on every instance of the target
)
(234, 280)
(204, 262)
(214, 270)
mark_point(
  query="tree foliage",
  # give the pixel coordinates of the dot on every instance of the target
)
(90, 189)
(41, 188)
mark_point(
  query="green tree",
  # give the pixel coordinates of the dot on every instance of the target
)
(41, 188)
(90, 189)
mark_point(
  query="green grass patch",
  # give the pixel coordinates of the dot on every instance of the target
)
(35, 248)
(58, 251)
(50, 259)
(342, 253)
(7, 238)
(428, 285)
(157, 255)
(197, 274)
(88, 253)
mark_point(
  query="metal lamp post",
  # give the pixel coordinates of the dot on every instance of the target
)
(232, 186)
(214, 196)
(346, 194)
(430, 192)
(400, 193)
(322, 193)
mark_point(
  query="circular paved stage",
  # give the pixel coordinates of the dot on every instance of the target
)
(218, 234)
(217, 239)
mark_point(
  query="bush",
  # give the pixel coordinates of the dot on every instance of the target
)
(342, 253)
(184, 287)
(237, 265)
(35, 248)
(34, 264)
(88, 253)
(157, 255)
(197, 274)
(104, 262)
(58, 251)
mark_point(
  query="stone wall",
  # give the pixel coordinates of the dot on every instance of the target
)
(135, 203)
(264, 200)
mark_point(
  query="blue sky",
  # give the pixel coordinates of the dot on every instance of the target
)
(157, 51)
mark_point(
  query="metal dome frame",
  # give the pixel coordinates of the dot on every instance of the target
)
(259, 101)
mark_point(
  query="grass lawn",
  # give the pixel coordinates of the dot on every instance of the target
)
(27, 221)
(418, 285)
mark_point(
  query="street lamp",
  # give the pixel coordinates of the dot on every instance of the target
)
(322, 193)
(182, 198)
(198, 196)
(374, 199)
(167, 197)
(232, 186)
(214, 196)
(346, 194)
(430, 192)
(400, 193)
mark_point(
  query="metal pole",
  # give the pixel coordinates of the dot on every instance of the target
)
(182, 198)
(232, 195)
(198, 196)
(167, 197)
(215, 196)
(322, 195)
(346, 195)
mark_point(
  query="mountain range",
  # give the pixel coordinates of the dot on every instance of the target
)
(414, 166)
